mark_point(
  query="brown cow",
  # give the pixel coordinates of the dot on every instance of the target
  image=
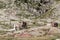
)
(54, 24)
(24, 25)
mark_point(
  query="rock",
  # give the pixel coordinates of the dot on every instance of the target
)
(41, 23)
(37, 33)
(53, 30)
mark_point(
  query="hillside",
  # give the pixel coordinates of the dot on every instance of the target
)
(36, 13)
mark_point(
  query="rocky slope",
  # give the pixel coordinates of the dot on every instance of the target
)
(37, 13)
(13, 11)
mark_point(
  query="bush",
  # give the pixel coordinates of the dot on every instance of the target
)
(2, 5)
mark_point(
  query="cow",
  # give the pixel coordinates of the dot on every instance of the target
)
(54, 24)
(24, 25)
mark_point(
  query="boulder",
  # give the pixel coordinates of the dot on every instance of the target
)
(53, 30)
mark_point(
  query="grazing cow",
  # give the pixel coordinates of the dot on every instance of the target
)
(54, 24)
(24, 25)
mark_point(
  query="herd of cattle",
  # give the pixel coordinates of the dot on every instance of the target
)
(23, 25)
